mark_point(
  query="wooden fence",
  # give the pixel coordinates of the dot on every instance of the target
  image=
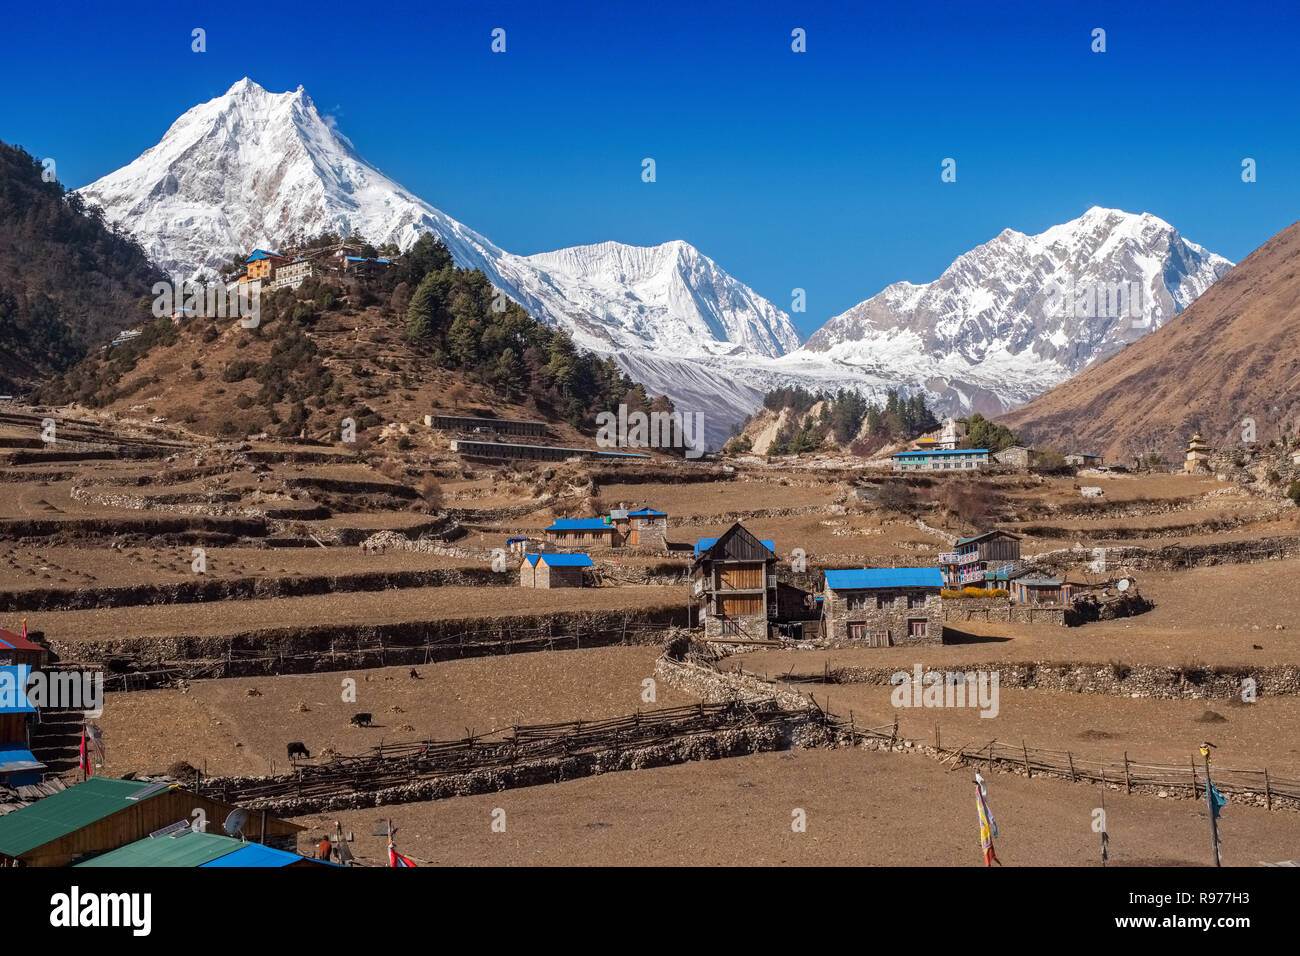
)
(393, 765)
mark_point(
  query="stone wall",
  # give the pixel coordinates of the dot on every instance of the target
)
(1165, 682)
(959, 610)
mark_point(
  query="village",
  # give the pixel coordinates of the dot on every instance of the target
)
(559, 617)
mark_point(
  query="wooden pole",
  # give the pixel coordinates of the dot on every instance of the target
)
(1128, 784)
(1268, 792)
(893, 737)
(1073, 776)
(938, 741)
(1025, 750)
(1196, 792)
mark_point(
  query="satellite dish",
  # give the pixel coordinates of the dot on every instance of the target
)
(1123, 584)
(234, 825)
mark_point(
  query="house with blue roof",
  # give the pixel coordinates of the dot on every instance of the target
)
(883, 607)
(584, 533)
(552, 570)
(941, 459)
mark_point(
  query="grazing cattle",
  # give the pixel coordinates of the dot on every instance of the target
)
(297, 749)
(360, 720)
(415, 675)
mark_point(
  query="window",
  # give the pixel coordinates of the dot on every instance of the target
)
(915, 600)
(858, 632)
(916, 628)
(884, 601)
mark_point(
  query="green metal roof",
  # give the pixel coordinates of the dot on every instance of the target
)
(188, 849)
(65, 812)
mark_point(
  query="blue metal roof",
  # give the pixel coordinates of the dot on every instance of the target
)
(16, 758)
(13, 689)
(263, 254)
(703, 544)
(646, 512)
(866, 578)
(561, 560)
(520, 537)
(956, 451)
(580, 524)
(254, 854)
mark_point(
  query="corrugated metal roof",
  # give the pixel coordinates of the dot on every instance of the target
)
(254, 854)
(1040, 582)
(13, 689)
(263, 254)
(16, 758)
(703, 544)
(867, 578)
(566, 560)
(647, 512)
(187, 849)
(580, 524)
(18, 642)
(957, 451)
(48, 819)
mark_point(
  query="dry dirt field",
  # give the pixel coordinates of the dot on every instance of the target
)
(359, 607)
(217, 724)
(23, 568)
(863, 809)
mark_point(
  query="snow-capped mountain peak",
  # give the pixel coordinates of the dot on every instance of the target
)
(1021, 313)
(252, 168)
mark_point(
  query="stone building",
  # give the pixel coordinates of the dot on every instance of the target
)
(291, 275)
(733, 582)
(1017, 456)
(545, 570)
(1080, 459)
(883, 607)
(646, 526)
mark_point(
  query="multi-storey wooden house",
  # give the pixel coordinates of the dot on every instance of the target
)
(733, 582)
(984, 560)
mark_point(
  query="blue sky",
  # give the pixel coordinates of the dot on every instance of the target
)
(817, 170)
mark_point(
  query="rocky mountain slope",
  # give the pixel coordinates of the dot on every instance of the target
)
(1232, 355)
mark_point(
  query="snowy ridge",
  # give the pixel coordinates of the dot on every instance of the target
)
(250, 168)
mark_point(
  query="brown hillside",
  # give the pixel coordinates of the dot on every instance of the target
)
(1234, 354)
(196, 382)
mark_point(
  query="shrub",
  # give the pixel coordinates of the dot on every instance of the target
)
(431, 491)
(1293, 491)
(969, 592)
(238, 370)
